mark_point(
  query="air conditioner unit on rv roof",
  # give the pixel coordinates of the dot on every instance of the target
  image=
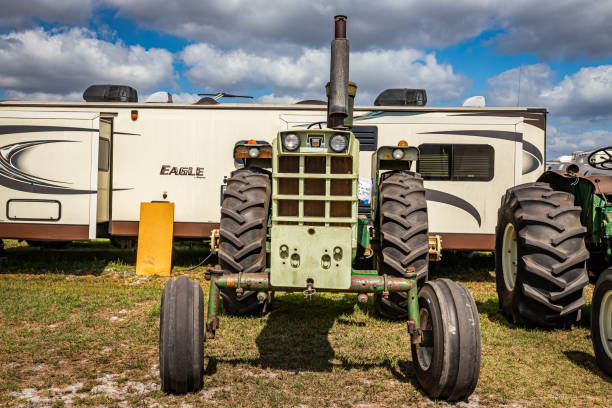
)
(110, 93)
(401, 97)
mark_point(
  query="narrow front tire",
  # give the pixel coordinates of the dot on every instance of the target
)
(450, 368)
(181, 336)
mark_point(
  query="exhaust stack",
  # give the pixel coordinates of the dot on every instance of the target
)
(338, 98)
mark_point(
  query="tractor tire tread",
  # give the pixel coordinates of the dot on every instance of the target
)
(551, 257)
(243, 233)
(404, 236)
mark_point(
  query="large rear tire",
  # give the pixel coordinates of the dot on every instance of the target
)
(402, 216)
(450, 368)
(601, 321)
(181, 336)
(540, 257)
(242, 236)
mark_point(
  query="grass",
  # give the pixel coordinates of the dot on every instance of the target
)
(79, 328)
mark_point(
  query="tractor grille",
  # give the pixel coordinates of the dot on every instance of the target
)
(311, 189)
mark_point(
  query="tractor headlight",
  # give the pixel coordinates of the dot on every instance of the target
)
(338, 143)
(254, 152)
(291, 142)
(398, 154)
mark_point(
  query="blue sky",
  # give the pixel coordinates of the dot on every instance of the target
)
(278, 51)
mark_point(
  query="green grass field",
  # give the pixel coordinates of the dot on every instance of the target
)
(79, 328)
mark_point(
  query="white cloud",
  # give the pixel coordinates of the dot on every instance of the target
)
(20, 13)
(584, 94)
(43, 96)
(237, 69)
(554, 29)
(61, 62)
(548, 28)
(564, 141)
(276, 100)
(374, 71)
(263, 24)
(587, 93)
(504, 88)
(185, 97)
(304, 76)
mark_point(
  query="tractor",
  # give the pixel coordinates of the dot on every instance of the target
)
(290, 223)
(553, 236)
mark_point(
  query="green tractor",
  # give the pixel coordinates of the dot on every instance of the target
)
(553, 237)
(290, 223)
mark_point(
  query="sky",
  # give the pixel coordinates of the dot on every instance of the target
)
(555, 54)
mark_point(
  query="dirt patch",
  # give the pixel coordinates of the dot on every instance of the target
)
(37, 368)
(267, 374)
(112, 386)
(209, 394)
(36, 397)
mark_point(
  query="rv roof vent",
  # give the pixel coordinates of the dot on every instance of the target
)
(206, 101)
(160, 97)
(401, 97)
(311, 102)
(110, 93)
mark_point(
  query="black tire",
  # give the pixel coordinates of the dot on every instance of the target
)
(181, 336)
(450, 369)
(550, 257)
(402, 223)
(599, 334)
(242, 236)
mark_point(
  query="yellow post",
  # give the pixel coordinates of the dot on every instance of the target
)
(155, 232)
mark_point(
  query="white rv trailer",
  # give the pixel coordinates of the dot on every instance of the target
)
(77, 171)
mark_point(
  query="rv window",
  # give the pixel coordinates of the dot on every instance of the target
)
(434, 161)
(472, 162)
(104, 155)
(457, 162)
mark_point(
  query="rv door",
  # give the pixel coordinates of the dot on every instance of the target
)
(49, 175)
(104, 170)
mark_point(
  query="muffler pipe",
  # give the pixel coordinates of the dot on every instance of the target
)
(338, 100)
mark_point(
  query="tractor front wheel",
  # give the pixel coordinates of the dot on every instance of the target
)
(181, 336)
(449, 368)
(601, 321)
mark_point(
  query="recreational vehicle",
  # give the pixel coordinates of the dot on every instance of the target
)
(79, 171)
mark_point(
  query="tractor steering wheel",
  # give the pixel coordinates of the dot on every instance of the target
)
(601, 159)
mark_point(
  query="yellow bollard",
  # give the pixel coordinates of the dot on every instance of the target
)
(155, 232)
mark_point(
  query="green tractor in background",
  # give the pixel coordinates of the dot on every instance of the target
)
(553, 237)
(296, 228)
